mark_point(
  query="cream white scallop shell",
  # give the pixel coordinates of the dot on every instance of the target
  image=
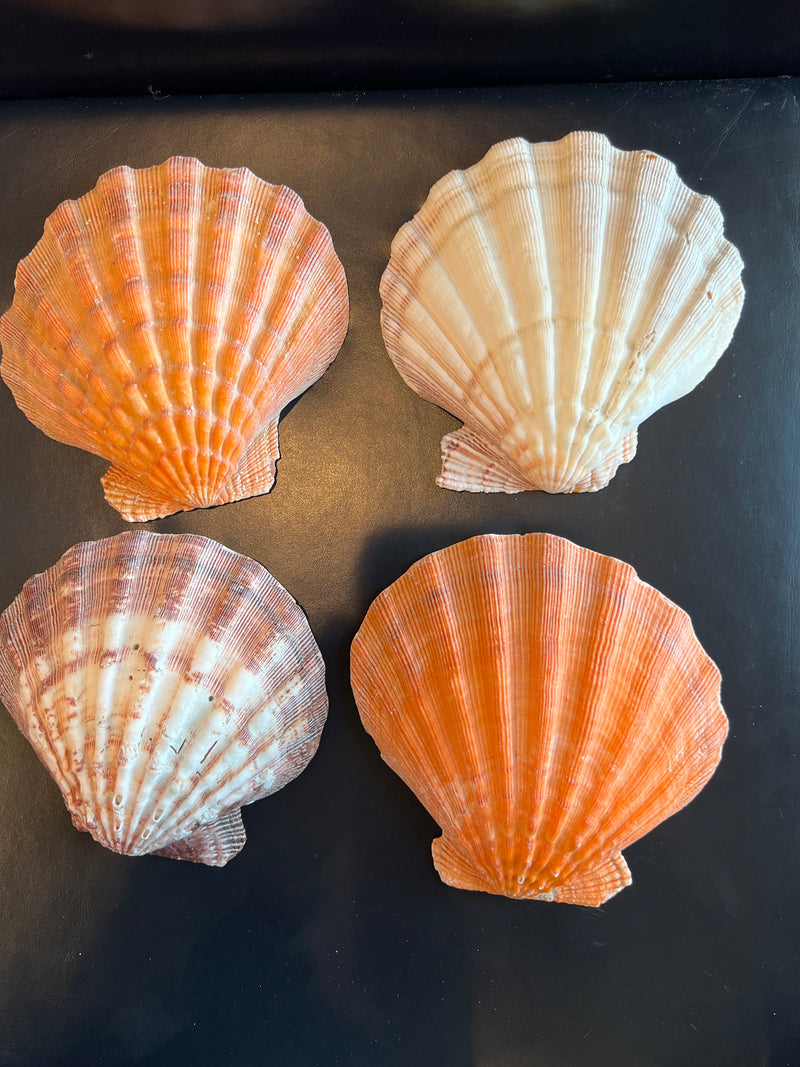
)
(164, 681)
(552, 297)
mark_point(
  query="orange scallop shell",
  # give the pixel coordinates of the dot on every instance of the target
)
(163, 322)
(546, 706)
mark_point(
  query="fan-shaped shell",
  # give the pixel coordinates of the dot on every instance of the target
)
(552, 297)
(164, 681)
(546, 706)
(163, 322)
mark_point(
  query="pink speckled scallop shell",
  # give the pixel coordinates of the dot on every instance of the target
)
(164, 681)
(163, 322)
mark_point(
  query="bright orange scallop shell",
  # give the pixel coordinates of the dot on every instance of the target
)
(546, 706)
(163, 322)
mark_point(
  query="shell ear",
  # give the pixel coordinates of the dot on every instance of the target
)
(596, 883)
(470, 463)
(213, 844)
(132, 497)
(592, 886)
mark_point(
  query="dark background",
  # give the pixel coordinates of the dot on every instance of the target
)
(330, 940)
(105, 47)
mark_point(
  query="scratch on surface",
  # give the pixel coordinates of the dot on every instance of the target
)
(723, 137)
(10, 133)
(626, 102)
(788, 225)
(81, 151)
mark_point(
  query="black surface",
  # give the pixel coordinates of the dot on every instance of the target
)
(330, 940)
(104, 47)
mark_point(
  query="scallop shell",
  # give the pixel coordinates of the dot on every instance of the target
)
(552, 297)
(164, 681)
(163, 322)
(546, 706)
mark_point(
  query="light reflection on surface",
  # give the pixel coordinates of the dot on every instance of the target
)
(181, 14)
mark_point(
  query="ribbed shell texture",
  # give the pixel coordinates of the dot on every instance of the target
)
(164, 681)
(552, 297)
(163, 322)
(546, 706)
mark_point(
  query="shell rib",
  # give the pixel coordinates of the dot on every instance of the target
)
(546, 706)
(164, 681)
(163, 322)
(552, 297)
